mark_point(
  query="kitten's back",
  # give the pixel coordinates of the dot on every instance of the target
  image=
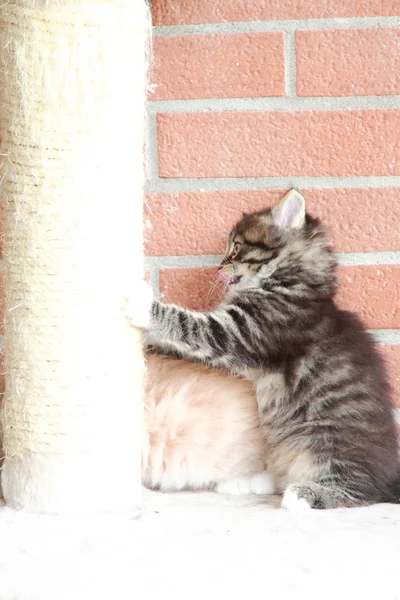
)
(201, 426)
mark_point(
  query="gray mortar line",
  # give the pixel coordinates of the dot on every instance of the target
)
(151, 146)
(290, 63)
(397, 415)
(201, 260)
(389, 337)
(218, 184)
(369, 258)
(211, 260)
(278, 25)
(279, 103)
(154, 271)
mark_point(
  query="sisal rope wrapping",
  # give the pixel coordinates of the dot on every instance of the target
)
(72, 112)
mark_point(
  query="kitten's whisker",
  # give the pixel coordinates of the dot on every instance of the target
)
(222, 292)
(213, 286)
(211, 290)
(212, 294)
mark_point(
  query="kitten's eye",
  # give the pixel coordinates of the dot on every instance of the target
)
(236, 249)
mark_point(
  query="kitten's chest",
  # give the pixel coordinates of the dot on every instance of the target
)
(282, 425)
(271, 392)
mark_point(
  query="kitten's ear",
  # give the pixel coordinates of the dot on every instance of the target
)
(290, 212)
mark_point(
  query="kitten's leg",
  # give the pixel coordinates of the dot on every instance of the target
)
(303, 496)
(233, 487)
(259, 484)
(220, 338)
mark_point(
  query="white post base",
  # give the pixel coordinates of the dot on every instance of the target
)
(46, 483)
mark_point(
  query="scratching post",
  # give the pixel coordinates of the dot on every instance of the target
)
(72, 81)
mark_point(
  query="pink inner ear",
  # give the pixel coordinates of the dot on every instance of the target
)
(291, 210)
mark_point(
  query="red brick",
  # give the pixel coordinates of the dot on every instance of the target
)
(256, 144)
(392, 357)
(181, 12)
(219, 66)
(353, 62)
(190, 287)
(371, 291)
(361, 220)
(197, 222)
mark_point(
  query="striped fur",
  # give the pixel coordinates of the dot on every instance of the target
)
(322, 390)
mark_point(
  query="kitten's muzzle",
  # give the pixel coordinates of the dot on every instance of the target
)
(226, 278)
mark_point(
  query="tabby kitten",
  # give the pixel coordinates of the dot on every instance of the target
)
(321, 386)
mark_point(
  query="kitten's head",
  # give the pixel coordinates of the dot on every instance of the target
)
(283, 243)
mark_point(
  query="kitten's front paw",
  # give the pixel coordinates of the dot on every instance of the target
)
(293, 500)
(260, 484)
(138, 305)
(234, 487)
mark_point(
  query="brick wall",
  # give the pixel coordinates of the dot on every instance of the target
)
(252, 97)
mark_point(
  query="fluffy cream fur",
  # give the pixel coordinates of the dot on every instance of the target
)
(201, 430)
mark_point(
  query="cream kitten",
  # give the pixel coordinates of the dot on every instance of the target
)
(202, 430)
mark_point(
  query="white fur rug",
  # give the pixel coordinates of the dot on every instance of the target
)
(203, 546)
